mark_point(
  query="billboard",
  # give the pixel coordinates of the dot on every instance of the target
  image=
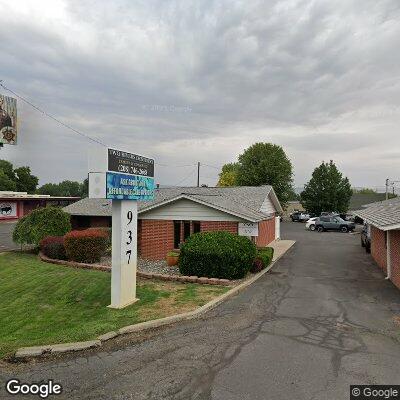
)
(8, 120)
(120, 175)
(128, 163)
(129, 187)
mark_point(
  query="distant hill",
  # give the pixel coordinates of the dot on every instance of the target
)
(360, 199)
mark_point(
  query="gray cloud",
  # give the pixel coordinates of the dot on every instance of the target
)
(299, 74)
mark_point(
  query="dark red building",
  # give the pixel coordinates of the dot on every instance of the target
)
(14, 205)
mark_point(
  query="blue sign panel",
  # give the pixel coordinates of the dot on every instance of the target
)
(129, 187)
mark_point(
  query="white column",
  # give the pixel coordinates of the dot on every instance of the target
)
(124, 253)
(277, 228)
(388, 260)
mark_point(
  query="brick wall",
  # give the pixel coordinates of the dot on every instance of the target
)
(266, 232)
(155, 238)
(209, 226)
(395, 256)
(378, 247)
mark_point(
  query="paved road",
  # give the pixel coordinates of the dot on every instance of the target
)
(322, 320)
(6, 229)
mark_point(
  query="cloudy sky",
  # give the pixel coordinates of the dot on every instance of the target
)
(187, 81)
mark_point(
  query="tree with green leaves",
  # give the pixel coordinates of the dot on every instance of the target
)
(364, 191)
(228, 175)
(266, 164)
(6, 183)
(65, 188)
(17, 179)
(327, 190)
(40, 223)
(26, 182)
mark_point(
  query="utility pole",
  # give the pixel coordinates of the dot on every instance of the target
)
(198, 174)
(387, 188)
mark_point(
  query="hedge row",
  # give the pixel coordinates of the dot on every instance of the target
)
(53, 247)
(87, 246)
(217, 255)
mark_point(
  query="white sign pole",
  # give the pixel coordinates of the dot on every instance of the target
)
(124, 253)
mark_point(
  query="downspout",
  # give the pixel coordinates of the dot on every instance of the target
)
(388, 260)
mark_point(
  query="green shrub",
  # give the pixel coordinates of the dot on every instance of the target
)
(42, 222)
(86, 246)
(217, 255)
(53, 247)
(263, 259)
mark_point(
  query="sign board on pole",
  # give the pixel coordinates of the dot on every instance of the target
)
(248, 229)
(124, 178)
(129, 187)
(128, 163)
(8, 120)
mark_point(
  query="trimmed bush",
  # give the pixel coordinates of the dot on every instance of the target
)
(53, 247)
(263, 259)
(86, 246)
(217, 255)
(107, 231)
(42, 222)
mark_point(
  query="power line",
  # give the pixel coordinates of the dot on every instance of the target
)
(46, 114)
(211, 166)
(175, 166)
(186, 177)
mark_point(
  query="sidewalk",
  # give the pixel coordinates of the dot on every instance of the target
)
(281, 247)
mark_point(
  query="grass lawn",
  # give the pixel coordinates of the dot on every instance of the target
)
(44, 303)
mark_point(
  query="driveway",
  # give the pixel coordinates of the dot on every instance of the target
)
(321, 320)
(6, 230)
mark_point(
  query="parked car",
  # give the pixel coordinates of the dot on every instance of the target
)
(310, 224)
(333, 223)
(299, 216)
(366, 238)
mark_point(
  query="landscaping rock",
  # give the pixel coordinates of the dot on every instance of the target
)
(64, 347)
(149, 266)
(107, 336)
(24, 352)
(225, 282)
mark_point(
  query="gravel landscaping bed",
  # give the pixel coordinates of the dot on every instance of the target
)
(150, 266)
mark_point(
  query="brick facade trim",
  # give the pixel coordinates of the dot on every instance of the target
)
(266, 232)
(378, 247)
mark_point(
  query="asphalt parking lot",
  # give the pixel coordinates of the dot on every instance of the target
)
(323, 319)
(6, 229)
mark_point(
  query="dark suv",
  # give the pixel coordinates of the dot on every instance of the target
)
(333, 223)
(366, 238)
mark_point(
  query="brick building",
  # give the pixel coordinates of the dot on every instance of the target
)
(384, 220)
(176, 213)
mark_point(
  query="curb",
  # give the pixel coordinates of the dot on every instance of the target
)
(25, 352)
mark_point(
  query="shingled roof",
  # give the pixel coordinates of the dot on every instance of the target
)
(244, 201)
(384, 215)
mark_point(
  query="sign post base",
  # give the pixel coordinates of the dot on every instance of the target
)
(124, 253)
(120, 306)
